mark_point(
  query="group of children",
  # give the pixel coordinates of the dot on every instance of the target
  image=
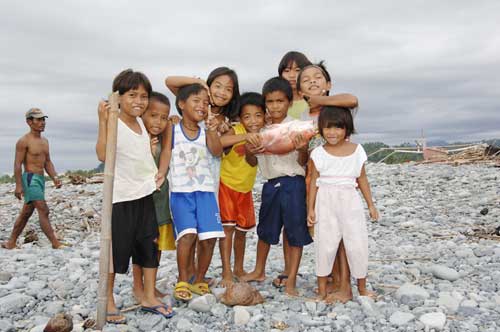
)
(210, 155)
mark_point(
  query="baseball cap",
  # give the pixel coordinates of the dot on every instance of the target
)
(35, 113)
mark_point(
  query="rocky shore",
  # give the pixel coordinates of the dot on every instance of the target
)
(434, 260)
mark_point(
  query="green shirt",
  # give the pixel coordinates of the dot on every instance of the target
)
(298, 107)
(160, 198)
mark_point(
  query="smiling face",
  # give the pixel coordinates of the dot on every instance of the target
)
(221, 90)
(156, 117)
(277, 104)
(134, 102)
(313, 82)
(290, 74)
(252, 118)
(195, 107)
(334, 135)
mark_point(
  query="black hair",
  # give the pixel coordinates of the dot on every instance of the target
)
(322, 67)
(231, 109)
(129, 80)
(251, 98)
(185, 92)
(159, 97)
(289, 58)
(277, 84)
(334, 116)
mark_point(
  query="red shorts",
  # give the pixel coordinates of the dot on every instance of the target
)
(236, 209)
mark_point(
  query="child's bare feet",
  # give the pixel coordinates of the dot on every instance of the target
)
(291, 291)
(253, 276)
(368, 293)
(330, 288)
(342, 297)
(159, 294)
(227, 279)
(9, 244)
(138, 295)
(238, 274)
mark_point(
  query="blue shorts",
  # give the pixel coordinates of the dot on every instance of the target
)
(284, 205)
(196, 213)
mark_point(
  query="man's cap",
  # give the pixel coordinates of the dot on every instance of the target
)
(35, 113)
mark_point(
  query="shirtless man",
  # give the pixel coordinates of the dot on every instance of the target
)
(32, 150)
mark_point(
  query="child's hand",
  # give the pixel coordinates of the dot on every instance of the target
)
(175, 119)
(154, 143)
(57, 183)
(103, 110)
(254, 139)
(373, 212)
(159, 179)
(311, 218)
(223, 127)
(211, 121)
(254, 149)
(300, 143)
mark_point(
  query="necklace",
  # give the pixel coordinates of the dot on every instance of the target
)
(188, 128)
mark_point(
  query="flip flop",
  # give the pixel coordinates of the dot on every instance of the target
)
(280, 278)
(154, 310)
(200, 288)
(183, 287)
(117, 321)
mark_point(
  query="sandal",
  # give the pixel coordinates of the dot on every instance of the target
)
(154, 310)
(181, 288)
(121, 320)
(200, 288)
(280, 281)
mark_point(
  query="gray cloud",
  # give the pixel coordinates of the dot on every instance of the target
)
(420, 65)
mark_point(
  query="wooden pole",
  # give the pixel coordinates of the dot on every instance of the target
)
(107, 205)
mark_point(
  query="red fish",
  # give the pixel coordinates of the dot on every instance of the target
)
(278, 138)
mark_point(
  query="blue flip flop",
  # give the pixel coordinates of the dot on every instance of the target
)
(154, 310)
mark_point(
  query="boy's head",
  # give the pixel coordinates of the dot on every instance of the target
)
(290, 66)
(192, 102)
(338, 117)
(314, 80)
(252, 111)
(224, 89)
(156, 116)
(134, 89)
(35, 119)
(277, 95)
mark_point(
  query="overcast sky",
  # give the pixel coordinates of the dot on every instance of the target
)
(431, 65)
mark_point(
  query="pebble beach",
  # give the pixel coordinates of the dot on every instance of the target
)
(434, 261)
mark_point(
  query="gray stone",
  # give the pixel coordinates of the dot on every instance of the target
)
(448, 301)
(218, 310)
(14, 302)
(311, 307)
(241, 315)
(6, 326)
(412, 292)
(184, 325)
(53, 308)
(434, 320)
(444, 272)
(401, 318)
(5, 276)
(203, 303)
(150, 322)
(368, 306)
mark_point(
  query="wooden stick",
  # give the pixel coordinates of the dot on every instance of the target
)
(107, 205)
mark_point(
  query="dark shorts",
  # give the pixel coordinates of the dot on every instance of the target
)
(284, 205)
(134, 231)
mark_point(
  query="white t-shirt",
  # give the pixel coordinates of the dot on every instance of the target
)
(335, 170)
(273, 166)
(135, 168)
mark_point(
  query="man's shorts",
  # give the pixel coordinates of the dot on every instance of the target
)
(33, 187)
(236, 209)
(166, 239)
(134, 234)
(196, 213)
(284, 205)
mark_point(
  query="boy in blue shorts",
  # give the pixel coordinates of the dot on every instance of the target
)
(284, 193)
(193, 204)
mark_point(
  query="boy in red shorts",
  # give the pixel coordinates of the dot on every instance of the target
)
(237, 178)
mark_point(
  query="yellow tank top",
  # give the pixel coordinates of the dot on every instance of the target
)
(298, 107)
(235, 172)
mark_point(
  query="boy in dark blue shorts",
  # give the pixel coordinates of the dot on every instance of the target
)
(284, 193)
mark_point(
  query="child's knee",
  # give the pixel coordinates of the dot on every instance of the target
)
(187, 239)
(208, 243)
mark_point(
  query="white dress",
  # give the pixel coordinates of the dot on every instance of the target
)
(339, 212)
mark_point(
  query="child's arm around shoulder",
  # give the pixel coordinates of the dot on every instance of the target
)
(341, 100)
(102, 112)
(230, 138)
(174, 83)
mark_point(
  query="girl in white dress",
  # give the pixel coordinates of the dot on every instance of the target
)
(334, 207)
